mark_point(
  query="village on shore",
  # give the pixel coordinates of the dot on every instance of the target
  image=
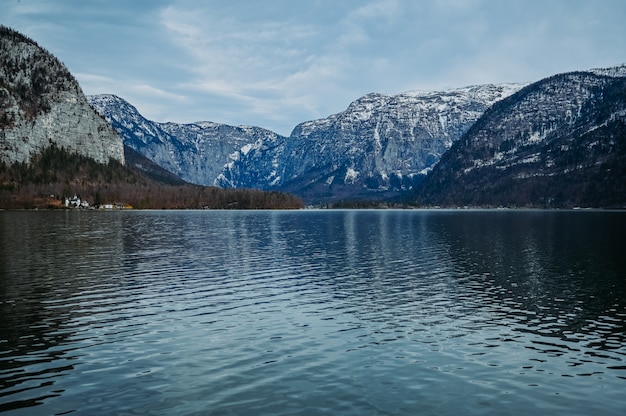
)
(78, 203)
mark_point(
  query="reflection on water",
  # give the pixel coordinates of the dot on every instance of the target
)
(312, 312)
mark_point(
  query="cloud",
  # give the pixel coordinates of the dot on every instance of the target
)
(94, 83)
(152, 102)
(524, 42)
(382, 9)
(279, 62)
(228, 46)
(272, 59)
(263, 64)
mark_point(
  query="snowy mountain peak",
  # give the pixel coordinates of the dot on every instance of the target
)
(616, 71)
(195, 152)
(381, 144)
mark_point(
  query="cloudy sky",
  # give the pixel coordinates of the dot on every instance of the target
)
(276, 63)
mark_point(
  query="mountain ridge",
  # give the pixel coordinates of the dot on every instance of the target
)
(381, 145)
(331, 166)
(55, 147)
(556, 142)
(559, 142)
(196, 152)
(384, 145)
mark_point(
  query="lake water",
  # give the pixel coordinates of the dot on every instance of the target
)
(313, 312)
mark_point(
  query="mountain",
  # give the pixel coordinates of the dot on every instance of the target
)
(559, 142)
(140, 163)
(41, 104)
(54, 147)
(195, 152)
(379, 146)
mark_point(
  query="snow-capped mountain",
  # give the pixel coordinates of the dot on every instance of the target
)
(477, 143)
(196, 152)
(558, 142)
(381, 144)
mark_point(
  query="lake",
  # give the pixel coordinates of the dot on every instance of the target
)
(313, 312)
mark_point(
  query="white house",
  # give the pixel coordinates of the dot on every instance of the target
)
(75, 202)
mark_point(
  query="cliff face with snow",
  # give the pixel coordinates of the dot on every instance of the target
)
(379, 146)
(196, 152)
(558, 142)
(41, 104)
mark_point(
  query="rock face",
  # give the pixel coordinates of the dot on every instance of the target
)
(559, 142)
(41, 104)
(195, 152)
(379, 146)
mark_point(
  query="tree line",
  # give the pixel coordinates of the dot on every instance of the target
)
(57, 173)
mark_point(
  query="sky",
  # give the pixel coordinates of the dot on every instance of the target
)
(277, 63)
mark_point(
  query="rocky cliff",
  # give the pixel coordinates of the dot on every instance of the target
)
(41, 104)
(559, 142)
(379, 146)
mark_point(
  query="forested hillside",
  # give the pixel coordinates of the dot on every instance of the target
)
(560, 142)
(56, 173)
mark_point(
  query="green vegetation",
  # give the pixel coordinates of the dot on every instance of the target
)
(57, 173)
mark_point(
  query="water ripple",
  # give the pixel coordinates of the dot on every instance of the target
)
(310, 312)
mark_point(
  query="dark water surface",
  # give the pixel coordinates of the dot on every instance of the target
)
(313, 312)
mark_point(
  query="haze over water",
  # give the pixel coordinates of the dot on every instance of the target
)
(313, 312)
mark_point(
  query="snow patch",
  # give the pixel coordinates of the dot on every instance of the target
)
(351, 175)
(245, 149)
(536, 137)
(531, 159)
(275, 181)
